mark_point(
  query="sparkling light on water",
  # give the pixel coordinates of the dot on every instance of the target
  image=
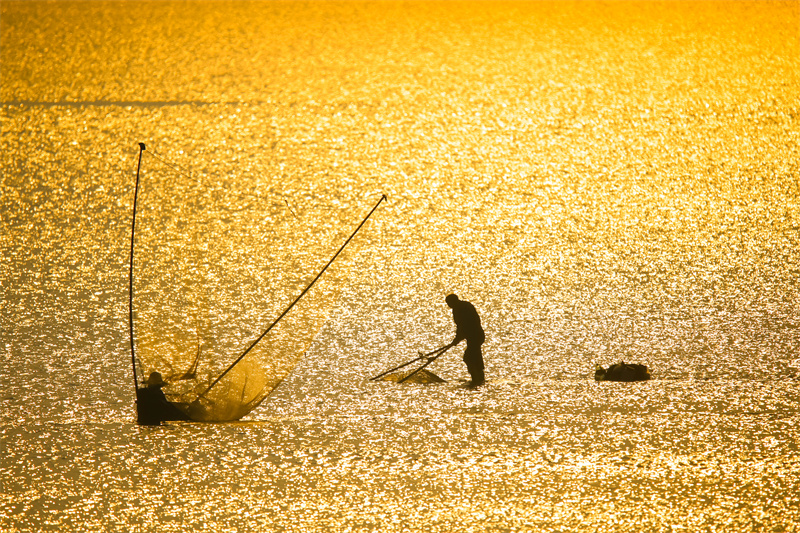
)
(604, 181)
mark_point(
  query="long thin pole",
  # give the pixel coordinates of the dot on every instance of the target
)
(130, 277)
(383, 197)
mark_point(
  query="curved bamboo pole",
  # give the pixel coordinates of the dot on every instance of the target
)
(130, 276)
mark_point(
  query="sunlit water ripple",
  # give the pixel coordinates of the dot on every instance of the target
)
(604, 181)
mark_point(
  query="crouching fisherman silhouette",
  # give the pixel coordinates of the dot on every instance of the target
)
(152, 406)
(468, 327)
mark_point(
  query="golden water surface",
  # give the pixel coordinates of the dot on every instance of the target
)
(602, 180)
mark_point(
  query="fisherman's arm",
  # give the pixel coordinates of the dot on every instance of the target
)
(460, 336)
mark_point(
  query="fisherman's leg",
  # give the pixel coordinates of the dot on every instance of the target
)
(474, 360)
(477, 375)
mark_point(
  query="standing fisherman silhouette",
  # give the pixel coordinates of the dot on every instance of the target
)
(468, 327)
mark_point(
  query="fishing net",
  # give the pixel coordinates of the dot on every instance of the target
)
(217, 261)
(423, 376)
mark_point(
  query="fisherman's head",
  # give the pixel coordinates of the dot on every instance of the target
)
(155, 380)
(451, 300)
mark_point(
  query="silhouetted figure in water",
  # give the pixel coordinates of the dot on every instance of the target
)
(468, 327)
(152, 406)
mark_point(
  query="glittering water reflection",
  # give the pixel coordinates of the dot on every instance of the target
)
(383, 472)
(604, 181)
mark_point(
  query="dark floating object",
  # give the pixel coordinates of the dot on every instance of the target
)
(622, 371)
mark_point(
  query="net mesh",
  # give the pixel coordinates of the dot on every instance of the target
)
(217, 262)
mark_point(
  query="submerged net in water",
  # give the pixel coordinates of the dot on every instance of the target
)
(216, 263)
(424, 376)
